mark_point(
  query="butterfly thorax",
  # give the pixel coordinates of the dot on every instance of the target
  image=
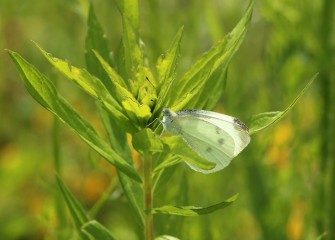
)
(168, 118)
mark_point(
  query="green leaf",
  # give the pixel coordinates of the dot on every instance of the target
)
(133, 56)
(88, 83)
(197, 84)
(96, 39)
(162, 176)
(180, 148)
(78, 213)
(134, 193)
(131, 10)
(146, 141)
(191, 211)
(132, 189)
(95, 231)
(217, 81)
(147, 94)
(166, 237)
(114, 77)
(264, 120)
(170, 160)
(135, 111)
(46, 94)
(92, 86)
(166, 67)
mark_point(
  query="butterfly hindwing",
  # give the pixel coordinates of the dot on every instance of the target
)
(232, 126)
(208, 140)
(212, 151)
(216, 137)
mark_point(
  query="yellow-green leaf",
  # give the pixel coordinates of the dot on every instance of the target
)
(192, 211)
(146, 141)
(46, 94)
(264, 120)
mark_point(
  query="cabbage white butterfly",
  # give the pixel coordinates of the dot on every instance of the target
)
(216, 137)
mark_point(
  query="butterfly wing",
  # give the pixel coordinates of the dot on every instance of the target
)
(216, 137)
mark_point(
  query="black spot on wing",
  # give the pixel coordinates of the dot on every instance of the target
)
(209, 149)
(217, 130)
(221, 141)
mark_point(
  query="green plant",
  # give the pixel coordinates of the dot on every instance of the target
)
(131, 95)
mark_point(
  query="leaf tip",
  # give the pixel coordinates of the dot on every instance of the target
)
(35, 43)
(11, 53)
(8, 50)
(233, 198)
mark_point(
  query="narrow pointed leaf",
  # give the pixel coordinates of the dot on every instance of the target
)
(147, 94)
(84, 79)
(170, 160)
(135, 111)
(264, 120)
(162, 176)
(166, 237)
(92, 86)
(78, 213)
(134, 193)
(115, 78)
(146, 141)
(192, 211)
(139, 113)
(96, 39)
(118, 140)
(121, 68)
(95, 231)
(133, 56)
(132, 189)
(43, 90)
(131, 10)
(166, 67)
(196, 84)
(217, 81)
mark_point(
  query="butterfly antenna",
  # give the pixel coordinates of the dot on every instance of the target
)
(150, 82)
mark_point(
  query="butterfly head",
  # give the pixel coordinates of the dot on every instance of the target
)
(168, 113)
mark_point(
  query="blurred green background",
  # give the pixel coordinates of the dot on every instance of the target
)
(284, 177)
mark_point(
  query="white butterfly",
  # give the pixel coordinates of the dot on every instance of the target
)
(216, 137)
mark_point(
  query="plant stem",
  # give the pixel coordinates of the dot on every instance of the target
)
(327, 166)
(148, 197)
(329, 8)
(56, 145)
(330, 187)
(59, 203)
